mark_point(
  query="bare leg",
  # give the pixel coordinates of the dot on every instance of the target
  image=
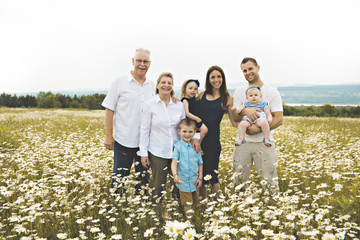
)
(265, 128)
(243, 125)
(215, 188)
(203, 131)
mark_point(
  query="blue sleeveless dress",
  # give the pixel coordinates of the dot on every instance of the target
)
(212, 115)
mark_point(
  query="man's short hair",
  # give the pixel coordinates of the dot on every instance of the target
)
(187, 122)
(247, 59)
(142, 50)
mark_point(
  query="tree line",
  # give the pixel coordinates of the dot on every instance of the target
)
(50, 100)
(325, 110)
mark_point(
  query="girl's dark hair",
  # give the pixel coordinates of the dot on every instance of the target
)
(224, 93)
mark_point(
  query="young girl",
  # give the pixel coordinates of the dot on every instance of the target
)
(189, 92)
(253, 95)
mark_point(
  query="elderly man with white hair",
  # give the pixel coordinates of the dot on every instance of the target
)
(123, 104)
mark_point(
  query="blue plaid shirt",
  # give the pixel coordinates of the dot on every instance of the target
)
(188, 165)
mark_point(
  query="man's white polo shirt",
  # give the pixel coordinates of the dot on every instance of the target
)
(126, 97)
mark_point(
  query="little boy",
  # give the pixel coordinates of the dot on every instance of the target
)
(188, 175)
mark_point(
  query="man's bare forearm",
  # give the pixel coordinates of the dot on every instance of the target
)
(277, 120)
(109, 122)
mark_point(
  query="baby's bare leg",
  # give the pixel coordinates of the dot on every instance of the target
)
(243, 125)
(265, 128)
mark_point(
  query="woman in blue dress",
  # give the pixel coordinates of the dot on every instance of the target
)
(214, 101)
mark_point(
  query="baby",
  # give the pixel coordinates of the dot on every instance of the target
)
(253, 95)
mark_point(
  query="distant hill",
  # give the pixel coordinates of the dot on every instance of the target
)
(321, 94)
(318, 94)
(346, 94)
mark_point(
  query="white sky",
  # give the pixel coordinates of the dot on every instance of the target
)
(85, 44)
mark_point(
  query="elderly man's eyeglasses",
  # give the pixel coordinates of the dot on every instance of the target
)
(142, 61)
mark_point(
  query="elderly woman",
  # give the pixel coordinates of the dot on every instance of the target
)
(159, 123)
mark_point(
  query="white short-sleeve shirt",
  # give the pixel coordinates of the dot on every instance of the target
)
(270, 95)
(159, 125)
(126, 97)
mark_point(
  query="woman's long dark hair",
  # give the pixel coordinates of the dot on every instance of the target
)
(224, 93)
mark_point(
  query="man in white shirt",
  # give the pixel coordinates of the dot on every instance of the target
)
(254, 151)
(123, 104)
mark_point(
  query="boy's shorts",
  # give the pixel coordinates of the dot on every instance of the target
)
(189, 198)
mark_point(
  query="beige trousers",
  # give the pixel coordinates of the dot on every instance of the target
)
(264, 159)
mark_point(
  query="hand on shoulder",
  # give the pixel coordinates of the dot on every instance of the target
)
(201, 94)
(230, 101)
